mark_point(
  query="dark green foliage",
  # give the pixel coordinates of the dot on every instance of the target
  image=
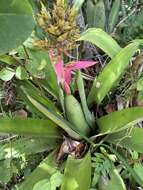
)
(133, 28)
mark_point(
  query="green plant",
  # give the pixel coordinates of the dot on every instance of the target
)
(87, 151)
(102, 14)
(122, 19)
(136, 28)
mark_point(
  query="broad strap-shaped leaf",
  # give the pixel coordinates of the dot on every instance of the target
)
(39, 105)
(111, 74)
(97, 14)
(24, 98)
(114, 14)
(88, 115)
(28, 88)
(44, 171)
(115, 182)
(102, 40)
(90, 10)
(77, 173)
(16, 23)
(78, 4)
(131, 138)
(29, 126)
(120, 120)
(26, 146)
(57, 119)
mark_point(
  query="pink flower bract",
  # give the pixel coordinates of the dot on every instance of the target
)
(64, 72)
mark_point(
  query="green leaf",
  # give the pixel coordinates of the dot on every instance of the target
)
(50, 80)
(138, 168)
(26, 146)
(95, 13)
(40, 65)
(21, 73)
(88, 116)
(16, 23)
(65, 125)
(26, 87)
(102, 40)
(35, 62)
(140, 41)
(42, 185)
(115, 181)
(8, 59)
(56, 180)
(90, 7)
(120, 120)
(44, 171)
(50, 184)
(6, 74)
(31, 127)
(78, 4)
(99, 15)
(114, 14)
(140, 84)
(130, 138)
(77, 174)
(111, 74)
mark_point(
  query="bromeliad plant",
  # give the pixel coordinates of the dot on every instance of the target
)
(87, 152)
(104, 14)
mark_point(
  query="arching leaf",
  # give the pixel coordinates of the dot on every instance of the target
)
(111, 74)
(30, 127)
(102, 40)
(120, 120)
